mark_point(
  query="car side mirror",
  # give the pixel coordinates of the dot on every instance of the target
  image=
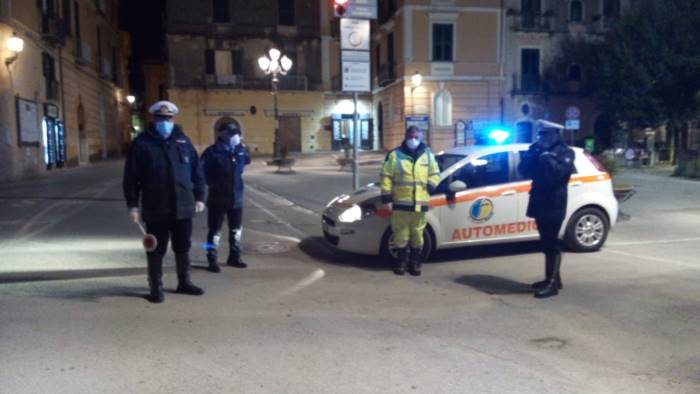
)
(457, 186)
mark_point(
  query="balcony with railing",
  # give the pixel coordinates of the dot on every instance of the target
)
(53, 30)
(534, 22)
(242, 82)
(386, 74)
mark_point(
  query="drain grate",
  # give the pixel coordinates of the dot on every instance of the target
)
(266, 248)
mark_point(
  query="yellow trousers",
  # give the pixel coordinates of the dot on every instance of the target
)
(408, 227)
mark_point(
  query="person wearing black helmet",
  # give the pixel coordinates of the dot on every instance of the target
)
(223, 164)
(549, 162)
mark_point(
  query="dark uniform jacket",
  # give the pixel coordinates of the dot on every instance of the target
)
(550, 173)
(165, 174)
(223, 170)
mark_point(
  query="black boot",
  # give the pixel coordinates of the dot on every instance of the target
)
(155, 278)
(402, 261)
(234, 260)
(414, 262)
(212, 260)
(549, 269)
(554, 284)
(184, 285)
(234, 255)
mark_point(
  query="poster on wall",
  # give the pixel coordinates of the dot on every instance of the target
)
(423, 123)
(28, 128)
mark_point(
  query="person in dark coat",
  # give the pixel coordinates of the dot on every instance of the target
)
(223, 165)
(162, 172)
(550, 163)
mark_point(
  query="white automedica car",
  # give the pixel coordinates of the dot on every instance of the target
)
(481, 199)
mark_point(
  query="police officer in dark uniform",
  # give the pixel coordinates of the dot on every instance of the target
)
(223, 165)
(163, 171)
(550, 163)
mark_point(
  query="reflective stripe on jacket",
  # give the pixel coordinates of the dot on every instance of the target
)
(407, 177)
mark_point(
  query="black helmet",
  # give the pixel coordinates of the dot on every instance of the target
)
(228, 129)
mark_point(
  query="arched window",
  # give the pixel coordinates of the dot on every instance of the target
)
(576, 11)
(575, 73)
(442, 108)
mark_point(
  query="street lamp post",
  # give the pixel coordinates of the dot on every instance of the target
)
(273, 63)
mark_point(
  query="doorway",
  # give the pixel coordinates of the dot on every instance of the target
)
(84, 147)
(290, 133)
(343, 131)
(602, 129)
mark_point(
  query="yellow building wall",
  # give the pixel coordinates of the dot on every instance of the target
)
(200, 110)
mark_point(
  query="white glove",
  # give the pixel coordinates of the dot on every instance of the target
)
(199, 207)
(134, 215)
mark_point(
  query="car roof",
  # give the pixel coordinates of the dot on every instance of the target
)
(472, 150)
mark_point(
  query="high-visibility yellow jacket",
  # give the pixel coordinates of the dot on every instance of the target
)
(407, 176)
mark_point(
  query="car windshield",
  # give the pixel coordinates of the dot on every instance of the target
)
(447, 160)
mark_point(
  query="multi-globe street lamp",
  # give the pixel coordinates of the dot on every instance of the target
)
(275, 64)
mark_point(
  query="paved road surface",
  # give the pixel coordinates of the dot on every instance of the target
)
(304, 319)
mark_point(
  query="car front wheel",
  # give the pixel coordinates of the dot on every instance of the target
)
(389, 251)
(587, 230)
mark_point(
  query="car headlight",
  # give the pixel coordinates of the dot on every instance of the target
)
(350, 215)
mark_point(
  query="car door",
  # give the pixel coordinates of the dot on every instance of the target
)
(484, 211)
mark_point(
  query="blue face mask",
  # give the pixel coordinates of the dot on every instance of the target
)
(235, 140)
(164, 128)
(412, 143)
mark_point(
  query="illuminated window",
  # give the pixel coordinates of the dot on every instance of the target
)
(442, 108)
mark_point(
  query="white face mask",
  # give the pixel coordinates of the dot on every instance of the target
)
(412, 143)
(235, 140)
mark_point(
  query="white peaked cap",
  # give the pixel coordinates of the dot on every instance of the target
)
(547, 125)
(163, 108)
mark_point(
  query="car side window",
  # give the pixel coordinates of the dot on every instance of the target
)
(488, 170)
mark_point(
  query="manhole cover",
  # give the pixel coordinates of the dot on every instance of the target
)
(266, 248)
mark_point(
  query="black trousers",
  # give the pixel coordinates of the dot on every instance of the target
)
(551, 246)
(215, 219)
(549, 235)
(179, 230)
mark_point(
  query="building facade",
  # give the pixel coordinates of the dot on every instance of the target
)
(212, 51)
(456, 47)
(534, 33)
(62, 96)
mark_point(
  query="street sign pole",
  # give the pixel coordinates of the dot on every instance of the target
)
(355, 61)
(355, 139)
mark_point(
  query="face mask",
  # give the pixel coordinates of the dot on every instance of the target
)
(164, 128)
(235, 140)
(412, 143)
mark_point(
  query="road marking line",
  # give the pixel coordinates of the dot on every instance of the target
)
(657, 259)
(276, 199)
(284, 222)
(306, 282)
(663, 241)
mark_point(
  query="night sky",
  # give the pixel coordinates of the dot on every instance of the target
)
(143, 19)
